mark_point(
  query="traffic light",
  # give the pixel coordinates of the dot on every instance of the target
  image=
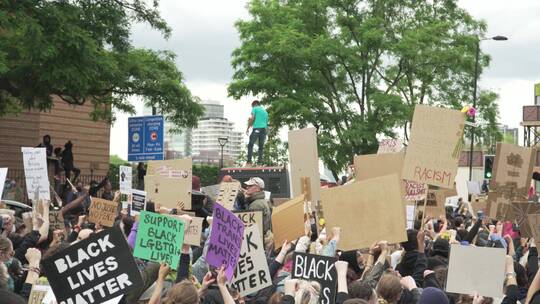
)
(488, 166)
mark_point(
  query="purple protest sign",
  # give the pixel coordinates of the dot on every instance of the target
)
(225, 240)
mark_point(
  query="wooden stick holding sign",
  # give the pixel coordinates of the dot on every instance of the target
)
(424, 210)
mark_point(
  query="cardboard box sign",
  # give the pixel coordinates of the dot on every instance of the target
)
(435, 144)
(304, 160)
(479, 269)
(361, 206)
(225, 240)
(288, 221)
(320, 269)
(159, 238)
(512, 171)
(93, 270)
(102, 212)
(251, 274)
(250, 218)
(168, 183)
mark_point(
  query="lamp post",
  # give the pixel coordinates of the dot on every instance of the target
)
(222, 142)
(496, 38)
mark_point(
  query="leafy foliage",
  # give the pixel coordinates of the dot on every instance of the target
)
(355, 69)
(79, 51)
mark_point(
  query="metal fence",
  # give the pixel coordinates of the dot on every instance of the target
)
(18, 176)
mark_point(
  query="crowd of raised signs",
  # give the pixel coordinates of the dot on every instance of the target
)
(234, 244)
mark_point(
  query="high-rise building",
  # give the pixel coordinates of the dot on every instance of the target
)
(202, 143)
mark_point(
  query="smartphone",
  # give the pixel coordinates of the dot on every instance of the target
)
(480, 215)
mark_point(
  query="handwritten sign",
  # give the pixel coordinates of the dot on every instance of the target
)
(227, 194)
(38, 293)
(251, 274)
(138, 201)
(192, 233)
(414, 191)
(56, 220)
(434, 147)
(93, 270)
(35, 172)
(250, 218)
(102, 212)
(320, 269)
(126, 175)
(390, 146)
(225, 240)
(168, 183)
(160, 238)
(512, 171)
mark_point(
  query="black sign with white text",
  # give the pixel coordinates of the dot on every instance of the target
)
(94, 270)
(317, 268)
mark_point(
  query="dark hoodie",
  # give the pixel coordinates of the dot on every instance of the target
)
(439, 255)
(406, 266)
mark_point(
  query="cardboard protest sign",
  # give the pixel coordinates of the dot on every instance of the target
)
(533, 221)
(376, 165)
(512, 171)
(138, 201)
(3, 174)
(251, 274)
(288, 221)
(320, 269)
(93, 270)
(304, 160)
(434, 146)
(225, 240)
(361, 206)
(159, 238)
(414, 191)
(102, 212)
(56, 220)
(479, 269)
(212, 191)
(390, 146)
(436, 200)
(192, 232)
(168, 182)
(251, 218)
(227, 194)
(35, 172)
(126, 175)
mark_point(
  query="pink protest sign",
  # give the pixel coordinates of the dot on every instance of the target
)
(414, 191)
(225, 240)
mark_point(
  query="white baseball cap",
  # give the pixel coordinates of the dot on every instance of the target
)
(255, 181)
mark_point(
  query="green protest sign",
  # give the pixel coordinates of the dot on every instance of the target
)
(159, 238)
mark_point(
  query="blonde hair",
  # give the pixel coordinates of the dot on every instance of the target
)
(184, 292)
(307, 292)
(389, 288)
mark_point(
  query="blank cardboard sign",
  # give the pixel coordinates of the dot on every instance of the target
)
(479, 269)
(288, 221)
(433, 151)
(360, 208)
(304, 160)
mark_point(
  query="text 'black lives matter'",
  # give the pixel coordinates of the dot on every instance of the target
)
(317, 268)
(94, 270)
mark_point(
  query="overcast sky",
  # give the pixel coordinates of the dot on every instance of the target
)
(204, 37)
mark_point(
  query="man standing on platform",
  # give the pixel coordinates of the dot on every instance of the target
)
(259, 122)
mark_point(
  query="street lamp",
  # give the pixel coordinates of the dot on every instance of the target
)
(496, 38)
(222, 142)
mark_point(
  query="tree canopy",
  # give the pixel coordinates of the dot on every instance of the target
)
(80, 52)
(355, 69)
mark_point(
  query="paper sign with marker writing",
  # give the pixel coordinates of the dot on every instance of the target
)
(390, 146)
(138, 201)
(225, 240)
(414, 191)
(433, 152)
(102, 212)
(168, 183)
(159, 238)
(250, 218)
(317, 268)
(227, 194)
(3, 174)
(192, 233)
(35, 172)
(126, 175)
(476, 269)
(251, 274)
(93, 270)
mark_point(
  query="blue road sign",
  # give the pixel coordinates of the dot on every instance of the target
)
(145, 140)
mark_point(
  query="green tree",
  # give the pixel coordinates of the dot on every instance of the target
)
(79, 51)
(355, 69)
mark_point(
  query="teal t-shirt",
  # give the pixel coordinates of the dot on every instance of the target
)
(261, 117)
